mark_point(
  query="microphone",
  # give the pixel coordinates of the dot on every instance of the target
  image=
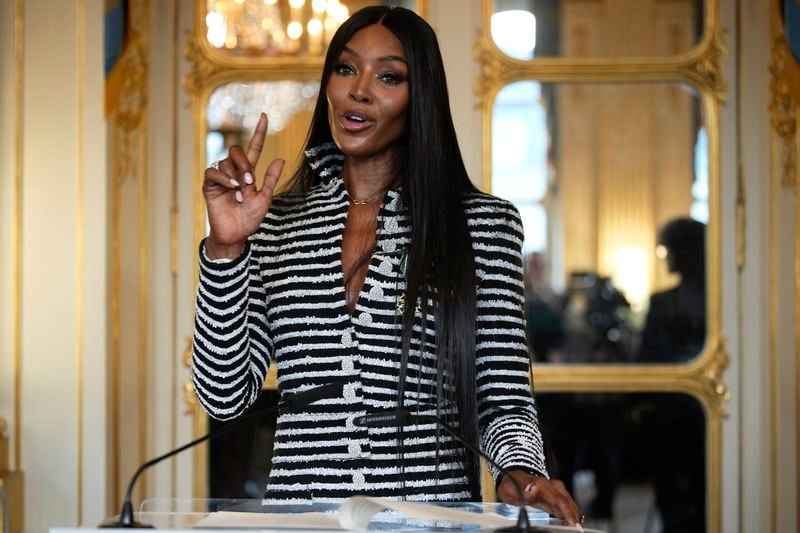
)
(405, 418)
(291, 402)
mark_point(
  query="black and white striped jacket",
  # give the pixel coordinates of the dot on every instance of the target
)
(283, 302)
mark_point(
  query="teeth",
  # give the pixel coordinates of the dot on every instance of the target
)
(356, 119)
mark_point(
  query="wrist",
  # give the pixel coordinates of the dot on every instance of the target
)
(216, 250)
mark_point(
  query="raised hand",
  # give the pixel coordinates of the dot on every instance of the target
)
(547, 494)
(235, 206)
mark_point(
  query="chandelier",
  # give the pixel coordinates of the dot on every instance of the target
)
(238, 106)
(274, 27)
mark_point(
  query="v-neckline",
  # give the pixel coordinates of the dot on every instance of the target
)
(369, 263)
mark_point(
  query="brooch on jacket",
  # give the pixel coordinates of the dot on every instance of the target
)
(401, 300)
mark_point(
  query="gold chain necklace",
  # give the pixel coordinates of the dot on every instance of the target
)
(356, 201)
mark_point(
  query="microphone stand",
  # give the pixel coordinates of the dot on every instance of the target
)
(405, 418)
(523, 524)
(294, 401)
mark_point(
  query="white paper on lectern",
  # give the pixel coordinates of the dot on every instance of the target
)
(237, 519)
(354, 514)
(357, 511)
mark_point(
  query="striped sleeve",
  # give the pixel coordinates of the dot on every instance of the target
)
(232, 346)
(506, 410)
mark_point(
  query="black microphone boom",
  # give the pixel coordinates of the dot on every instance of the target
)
(292, 401)
(405, 418)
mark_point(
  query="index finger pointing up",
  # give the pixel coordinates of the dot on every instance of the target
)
(257, 142)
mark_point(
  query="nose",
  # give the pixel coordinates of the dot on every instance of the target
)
(360, 90)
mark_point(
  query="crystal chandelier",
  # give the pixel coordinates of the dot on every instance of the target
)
(238, 106)
(274, 27)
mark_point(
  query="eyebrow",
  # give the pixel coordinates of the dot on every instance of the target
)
(382, 58)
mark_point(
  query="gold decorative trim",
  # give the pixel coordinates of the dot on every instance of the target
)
(774, 257)
(79, 243)
(143, 297)
(740, 247)
(116, 343)
(189, 394)
(708, 67)
(491, 69)
(229, 61)
(711, 377)
(19, 100)
(783, 111)
(132, 102)
(174, 213)
(202, 68)
(211, 67)
(741, 225)
(777, 106)
(700, 66)
(129, 160)
(797, 348)
(199, 427)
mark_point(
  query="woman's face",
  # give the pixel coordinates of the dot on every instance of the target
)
(367, 94)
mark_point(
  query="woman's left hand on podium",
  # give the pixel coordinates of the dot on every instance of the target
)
(549, 495)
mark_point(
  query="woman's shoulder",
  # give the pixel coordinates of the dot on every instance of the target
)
(482, 206)
(494, 224)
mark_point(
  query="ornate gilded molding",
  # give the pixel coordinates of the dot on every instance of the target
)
(189, 394)
(131, 106)
(203, 68)
(702, 66)
(711, 376)
(708, 66)
(133, 97)
(128, 161)
(783, 111)
(491, 68)
(190, 397)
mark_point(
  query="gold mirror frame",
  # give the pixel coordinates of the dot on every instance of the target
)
(700, 68)
(784, 110)
(211, 70)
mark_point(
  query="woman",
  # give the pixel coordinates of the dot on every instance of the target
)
(384, 266)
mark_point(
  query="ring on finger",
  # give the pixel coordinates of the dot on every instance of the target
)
(214, 165)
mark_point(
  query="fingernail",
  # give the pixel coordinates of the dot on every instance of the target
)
(234, 183)
(239, 197)
(529, 487)
(248, 178)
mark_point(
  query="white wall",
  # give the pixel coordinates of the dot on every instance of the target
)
(458, 24)
(64, 296)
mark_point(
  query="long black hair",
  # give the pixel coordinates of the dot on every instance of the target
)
(440, 270)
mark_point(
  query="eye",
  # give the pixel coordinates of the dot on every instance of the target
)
(343, 68)
(391, 78)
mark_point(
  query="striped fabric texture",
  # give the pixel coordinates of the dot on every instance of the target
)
(283, 302)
